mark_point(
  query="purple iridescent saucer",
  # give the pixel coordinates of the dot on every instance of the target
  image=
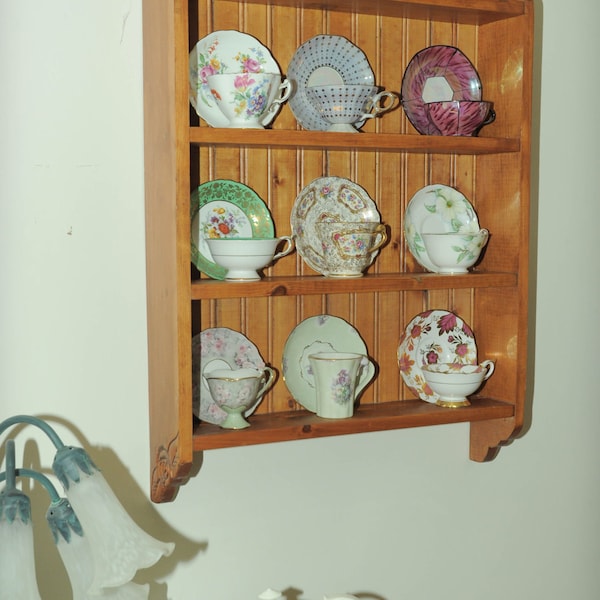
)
(437, 74)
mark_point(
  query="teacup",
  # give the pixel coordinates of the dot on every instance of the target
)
(455, 252)
(339, 378)
(238, 390)
(244, 257)
(348, 248)
(246, 99)
(453, 382)
(459, 117)
(343, 106)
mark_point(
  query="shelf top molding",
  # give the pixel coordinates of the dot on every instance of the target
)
(465, 11)
(374, 142)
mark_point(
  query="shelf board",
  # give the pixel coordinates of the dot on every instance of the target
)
(301, 424)
(373, 142)
(210, 289)
(469, 11)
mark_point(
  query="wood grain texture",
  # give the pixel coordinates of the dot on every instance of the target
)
(392, 162)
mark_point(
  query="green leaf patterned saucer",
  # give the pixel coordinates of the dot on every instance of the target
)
(436, 209)
(223, 208)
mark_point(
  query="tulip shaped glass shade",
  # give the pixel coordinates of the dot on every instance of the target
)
(119, 547)
(17, 565)
(77, 558)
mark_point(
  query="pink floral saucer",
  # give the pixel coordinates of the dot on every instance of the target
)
(433, 336)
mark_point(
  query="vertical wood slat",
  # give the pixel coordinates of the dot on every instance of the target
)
(389, 178)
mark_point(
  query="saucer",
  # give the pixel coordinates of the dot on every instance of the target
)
(324, 60)
(223, 208)
(436, 74)
(328, 199)
(225, 51)
(436, 208)
(219, 348)
(323, 333)
(433, 336)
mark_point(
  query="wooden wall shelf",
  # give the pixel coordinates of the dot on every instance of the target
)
(392, 162)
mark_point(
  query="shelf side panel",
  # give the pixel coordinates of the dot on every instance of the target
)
(168, 328)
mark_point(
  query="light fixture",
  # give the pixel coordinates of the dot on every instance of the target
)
(101, 547)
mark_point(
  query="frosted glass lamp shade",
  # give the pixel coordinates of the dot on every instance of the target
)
(77, 558)
(119, 547)
(17, 565)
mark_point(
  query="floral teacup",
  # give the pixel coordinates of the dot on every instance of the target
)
(246, 98)
(455, 252)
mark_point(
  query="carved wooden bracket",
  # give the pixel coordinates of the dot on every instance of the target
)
(169, 472)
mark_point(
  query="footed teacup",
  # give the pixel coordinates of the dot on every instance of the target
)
(348, 248)
(344, 106)
(459, 117)
(453, 382)
(455, 252)
(238, 390)
(246, 99)
(244, 257)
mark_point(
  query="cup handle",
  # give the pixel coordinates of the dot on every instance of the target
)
(490, 366)
(381, 230)
(269, 381)
(286, 87)
(491, 117)
(374, 106)
(288, 247)
(364, 377)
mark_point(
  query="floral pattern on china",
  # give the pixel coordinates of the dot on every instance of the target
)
(328, 199)
(433, 336)
(245, 97)
(219, 348)
(225, 51)
(437, 208)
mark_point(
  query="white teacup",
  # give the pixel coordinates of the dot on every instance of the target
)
(339, 377)
(454, 382)
(348, 248)
(343, 106)
(246, 99)
(238, 390)
(455, 252)
(244, 257)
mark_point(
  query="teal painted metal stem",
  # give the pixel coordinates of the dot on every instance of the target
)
(18, 419)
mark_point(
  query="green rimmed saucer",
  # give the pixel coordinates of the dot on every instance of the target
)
(223, 208)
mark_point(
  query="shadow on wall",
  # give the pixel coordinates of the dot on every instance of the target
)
(52, 577)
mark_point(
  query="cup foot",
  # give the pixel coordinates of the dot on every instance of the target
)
(343, 127)
(457, 403)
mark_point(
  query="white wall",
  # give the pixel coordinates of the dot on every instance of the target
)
(397, 514)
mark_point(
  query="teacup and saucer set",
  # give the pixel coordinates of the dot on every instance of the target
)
(234, 81)
(437, 358)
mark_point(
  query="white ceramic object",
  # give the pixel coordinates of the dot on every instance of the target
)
(244, 257)
(324, 60)
(225, 51)
(328, 199)
(237, 390)
(219, 348)
(433, 336)
(348, 247)
(321, 333)
(246, 98)
(339, 379)
(436, 208)
(453, 383)
(343, 106)
(455, 252)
